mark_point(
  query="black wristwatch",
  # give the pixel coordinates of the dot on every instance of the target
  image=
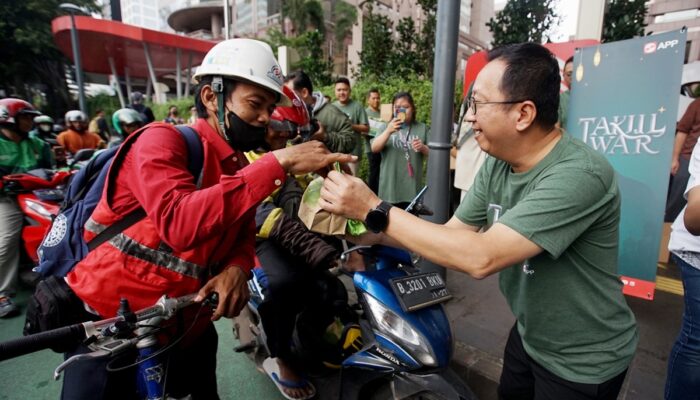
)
(378, 218)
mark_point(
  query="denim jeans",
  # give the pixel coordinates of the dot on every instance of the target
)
(683, 376)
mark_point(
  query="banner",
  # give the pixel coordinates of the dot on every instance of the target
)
(623, 103)
(562, 51)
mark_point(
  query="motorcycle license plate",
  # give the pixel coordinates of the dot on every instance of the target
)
(419, 291)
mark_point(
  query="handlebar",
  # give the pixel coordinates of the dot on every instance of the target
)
(40, 341)
(96, 331)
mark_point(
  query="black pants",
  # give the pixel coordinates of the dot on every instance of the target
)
(375, 161)
(190, 370)
(523, 378)
(676, 201)
(288, 292)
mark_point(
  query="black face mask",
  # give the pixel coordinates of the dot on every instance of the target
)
(244, 136)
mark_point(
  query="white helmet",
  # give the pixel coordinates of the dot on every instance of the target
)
(247, 60)
(75, 116)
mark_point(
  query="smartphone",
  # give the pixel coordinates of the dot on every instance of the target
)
(401, 115)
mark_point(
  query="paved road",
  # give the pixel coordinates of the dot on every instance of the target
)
(30, 376)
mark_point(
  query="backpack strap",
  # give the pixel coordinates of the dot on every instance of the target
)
(195, 152)
(195, 164)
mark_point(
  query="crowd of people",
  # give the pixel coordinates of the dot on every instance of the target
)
(538, 207)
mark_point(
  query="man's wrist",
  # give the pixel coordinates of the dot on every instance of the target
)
(235, 268)
(282, 159)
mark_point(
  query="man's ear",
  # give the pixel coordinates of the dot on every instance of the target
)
(527, 112)
(209, 99)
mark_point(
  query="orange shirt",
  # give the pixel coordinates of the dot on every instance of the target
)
(73, 141)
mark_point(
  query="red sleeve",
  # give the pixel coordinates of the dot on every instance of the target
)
(244, 256)
(183, 215)
(686, 123)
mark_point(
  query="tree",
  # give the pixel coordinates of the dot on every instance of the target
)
(31, 66)
(624, 19)
(313, 62)
(304, 14)
(523, 21)
(385, 54)
(344, 16)
(425, 41)
(377, 44)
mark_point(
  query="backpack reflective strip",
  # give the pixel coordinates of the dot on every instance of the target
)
(94, 226)
(135, 249)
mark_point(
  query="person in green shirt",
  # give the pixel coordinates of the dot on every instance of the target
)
(335, 130)
(376, 126)
(19, 153)
(550, 209)
(357, 116)
(403, 147)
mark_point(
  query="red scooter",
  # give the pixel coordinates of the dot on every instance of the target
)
(39, 194)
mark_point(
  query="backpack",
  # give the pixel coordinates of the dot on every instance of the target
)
(64, 245)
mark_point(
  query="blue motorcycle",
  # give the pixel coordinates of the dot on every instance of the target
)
(407, 341)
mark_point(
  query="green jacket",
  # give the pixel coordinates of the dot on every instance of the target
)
(30, 153)
(340, 138)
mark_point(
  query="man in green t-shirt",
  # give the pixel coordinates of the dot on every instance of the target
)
(357, 116)
(19, 153)
(551, 209)
(376, 126)
(335, 130)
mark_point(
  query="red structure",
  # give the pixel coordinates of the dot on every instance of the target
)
(127, 51)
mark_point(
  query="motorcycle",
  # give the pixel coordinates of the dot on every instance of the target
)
(39, 194)
(407, 341)
(80, 159)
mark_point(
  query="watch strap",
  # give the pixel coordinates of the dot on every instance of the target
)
(385, 207)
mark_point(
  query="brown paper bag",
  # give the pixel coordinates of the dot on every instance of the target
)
(316, 219)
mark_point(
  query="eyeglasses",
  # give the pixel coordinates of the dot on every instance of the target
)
(471, 103)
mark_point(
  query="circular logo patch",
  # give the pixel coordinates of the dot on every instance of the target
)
(57, 232)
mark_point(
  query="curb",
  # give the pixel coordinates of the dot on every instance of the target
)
(480, 370)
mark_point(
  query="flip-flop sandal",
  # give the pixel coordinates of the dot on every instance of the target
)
(272, 370)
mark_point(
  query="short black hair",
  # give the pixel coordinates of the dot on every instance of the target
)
(373, 90)
(532, 73)
(300, 80)
(569, 60)
(229, 85)
(342, 79)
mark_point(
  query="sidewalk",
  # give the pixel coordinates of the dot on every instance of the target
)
(481, 321)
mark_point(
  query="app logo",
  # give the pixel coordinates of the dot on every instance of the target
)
(649, 47)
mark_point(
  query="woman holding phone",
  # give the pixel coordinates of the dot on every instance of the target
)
(403, 148)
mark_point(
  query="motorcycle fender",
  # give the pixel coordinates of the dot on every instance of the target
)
(444, 383)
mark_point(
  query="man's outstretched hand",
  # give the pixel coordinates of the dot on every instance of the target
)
(347, 195)
(309, 157)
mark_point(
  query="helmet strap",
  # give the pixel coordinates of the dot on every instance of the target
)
(217, 85)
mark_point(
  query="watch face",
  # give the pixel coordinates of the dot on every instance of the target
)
(376, 220)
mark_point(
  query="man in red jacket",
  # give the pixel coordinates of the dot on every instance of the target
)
(199, 232)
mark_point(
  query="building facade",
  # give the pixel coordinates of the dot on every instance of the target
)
(668, 15)
(151, 14)
(253, 18)
(205, 18)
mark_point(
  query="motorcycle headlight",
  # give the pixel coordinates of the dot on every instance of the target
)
(397, 328)
(38, 208)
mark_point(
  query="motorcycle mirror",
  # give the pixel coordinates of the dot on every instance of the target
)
(416, 200)
(83, 154)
